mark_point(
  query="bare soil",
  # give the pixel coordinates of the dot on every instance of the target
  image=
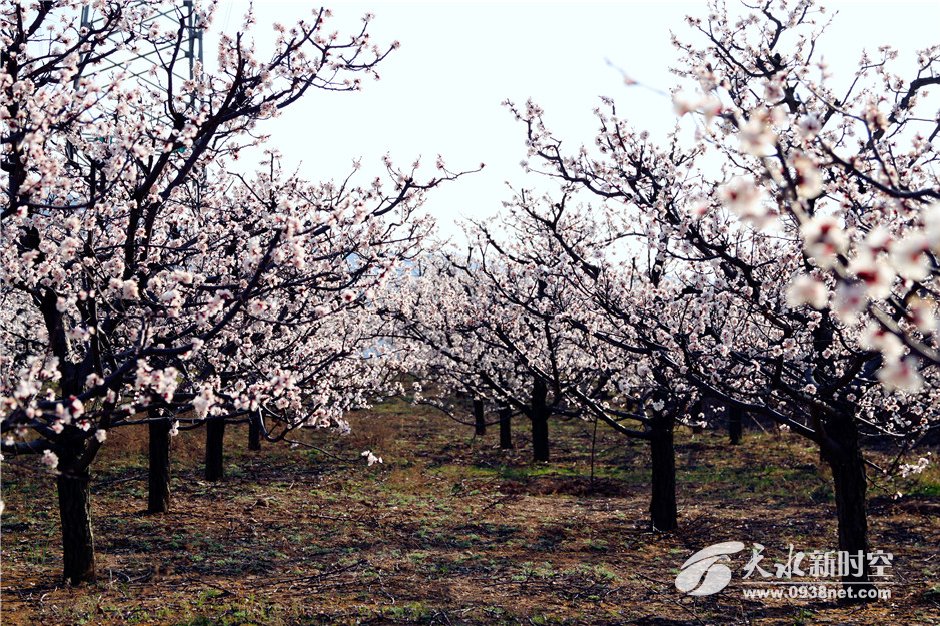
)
(450, 530)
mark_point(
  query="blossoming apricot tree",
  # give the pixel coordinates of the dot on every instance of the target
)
(792, 267)
(141, 281)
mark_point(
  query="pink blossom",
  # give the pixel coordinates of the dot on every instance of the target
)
(849, 300)
(371, 459)
(909, 257)
(922, 313)
(875, 274)
(807, 290)
(824, 238)
(809, 181)
(901, 375)
(746, 199)
(50, 459)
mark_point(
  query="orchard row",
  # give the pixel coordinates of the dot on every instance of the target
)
(777, 257)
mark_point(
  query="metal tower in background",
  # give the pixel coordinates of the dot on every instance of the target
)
(161, 64)
(181, 15)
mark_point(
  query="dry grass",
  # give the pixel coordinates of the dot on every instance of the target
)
(449, 530)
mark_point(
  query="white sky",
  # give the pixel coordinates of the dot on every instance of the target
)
(440, 93)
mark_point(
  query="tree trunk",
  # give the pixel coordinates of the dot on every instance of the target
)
(215, 433)
(158, 498)
(505, 428)
(78, 543)
(663, 461)
(844, 456)
(480, 417)
(254, 431)
(540, 414)
(734, 425)
(540, 438)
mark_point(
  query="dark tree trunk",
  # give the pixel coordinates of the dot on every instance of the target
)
(78, 543)
(480, 417)
(158, 498)
(663, 461)
(215, 433)
(505, 428)
(540, 437)
(734, 425)
(540, 414)
(844, 456)
(254, 431)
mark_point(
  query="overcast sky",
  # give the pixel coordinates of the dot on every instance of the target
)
(440, 93)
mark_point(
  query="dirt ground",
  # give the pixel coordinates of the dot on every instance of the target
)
(450, 530)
